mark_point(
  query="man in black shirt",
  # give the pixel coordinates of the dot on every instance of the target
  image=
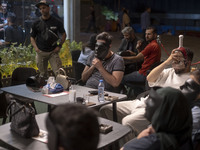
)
(45, 39)
(13, 33)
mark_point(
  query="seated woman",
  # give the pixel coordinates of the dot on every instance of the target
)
(171, 118)
(88, 48)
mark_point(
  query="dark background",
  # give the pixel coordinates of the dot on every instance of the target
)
(158, 6)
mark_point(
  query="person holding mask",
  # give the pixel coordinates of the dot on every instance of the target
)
(104, 64)
(131, 113)
(167, 132)
(46, 41)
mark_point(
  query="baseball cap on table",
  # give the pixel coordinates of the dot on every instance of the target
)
(42, 2)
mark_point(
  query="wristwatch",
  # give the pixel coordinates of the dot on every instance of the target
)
(59, 45)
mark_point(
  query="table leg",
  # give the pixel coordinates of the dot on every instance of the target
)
(114, 111)
(49, 108)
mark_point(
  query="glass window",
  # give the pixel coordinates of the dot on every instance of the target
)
(26, 13)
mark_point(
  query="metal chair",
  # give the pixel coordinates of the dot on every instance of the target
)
(77, 71)
(20, 75)
(3, 104)
(140, 87)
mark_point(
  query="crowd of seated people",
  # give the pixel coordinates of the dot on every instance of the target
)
(131, 113)
(173, 72)
(173, 75)
(10, 32)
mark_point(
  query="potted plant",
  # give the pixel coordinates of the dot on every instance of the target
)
(75, 49)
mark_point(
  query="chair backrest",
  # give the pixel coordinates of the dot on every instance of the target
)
(3, 101)
(77, 70)
(20, 75)
(75, 55)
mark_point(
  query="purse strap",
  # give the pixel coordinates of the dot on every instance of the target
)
(62, 70)
(8, 112)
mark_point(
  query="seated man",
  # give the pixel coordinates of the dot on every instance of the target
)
(13, 33)
(72, 127)
(170, 115)
(151, 55)
(131, 113)
(128, 48)
(191, 91)
(104, 64)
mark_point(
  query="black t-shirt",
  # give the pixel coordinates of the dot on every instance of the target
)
(14, 34)
(41, 27)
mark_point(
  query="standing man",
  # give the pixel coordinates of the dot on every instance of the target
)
(45, 39)
(151, 55)
(145, 20)
(92, 20)
(104, 64)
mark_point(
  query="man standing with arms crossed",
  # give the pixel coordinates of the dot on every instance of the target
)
(44, 38)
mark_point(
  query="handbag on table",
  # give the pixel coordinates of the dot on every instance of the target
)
(23, 120)
(63, 79)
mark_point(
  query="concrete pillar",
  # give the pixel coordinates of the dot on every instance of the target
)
(72, 19)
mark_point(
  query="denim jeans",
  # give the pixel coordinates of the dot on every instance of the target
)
(133, 77)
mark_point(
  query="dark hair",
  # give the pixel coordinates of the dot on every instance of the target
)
(196, 74)
(106, 37)
(189, 54)
(77, 127)
(152, 28)
(12, 17)
(91, 43)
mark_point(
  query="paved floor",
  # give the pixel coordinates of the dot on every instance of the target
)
(168, 41)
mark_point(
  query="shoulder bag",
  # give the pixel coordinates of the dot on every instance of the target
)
(23, 120)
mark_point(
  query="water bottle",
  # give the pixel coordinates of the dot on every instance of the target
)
(101, 91)
(72, 95)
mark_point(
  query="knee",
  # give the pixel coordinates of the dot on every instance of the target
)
(127, 121)
(106, 111)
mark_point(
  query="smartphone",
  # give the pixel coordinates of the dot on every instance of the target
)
(94, 92)
(105, 128)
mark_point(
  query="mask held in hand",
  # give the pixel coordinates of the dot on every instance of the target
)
(101, 50)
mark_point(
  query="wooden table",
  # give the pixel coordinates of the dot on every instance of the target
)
(14, 140)
(23, 92)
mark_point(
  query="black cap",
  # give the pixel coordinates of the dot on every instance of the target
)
(42, 2)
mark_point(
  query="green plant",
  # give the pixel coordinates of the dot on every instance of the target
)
(109, 13)
(24, 56)
(13, 57)
(65, 54)
(75, 46)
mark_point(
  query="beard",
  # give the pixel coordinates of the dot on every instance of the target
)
(179, 71)
(179, 67)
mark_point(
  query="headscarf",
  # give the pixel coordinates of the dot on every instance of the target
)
(172, 120)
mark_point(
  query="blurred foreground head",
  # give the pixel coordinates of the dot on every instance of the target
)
(72, 127)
